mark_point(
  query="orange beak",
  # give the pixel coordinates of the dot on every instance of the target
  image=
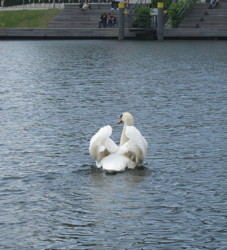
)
(120, 121)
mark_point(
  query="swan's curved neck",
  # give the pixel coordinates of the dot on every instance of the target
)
(128, 121)
(124, 138)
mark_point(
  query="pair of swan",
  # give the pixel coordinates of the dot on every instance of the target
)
(113, 158)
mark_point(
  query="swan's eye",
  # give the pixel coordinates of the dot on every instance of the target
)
(121, 116)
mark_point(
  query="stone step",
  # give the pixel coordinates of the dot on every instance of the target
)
(199, 25)
(77, 25)
(195, 33)
(86, 11)
(63, 33)
(218, 18)
(92, 6)
(202, 23)
(69, 18)
(96, 5)
(206, 13)
(78, 18)
(207, 6)
(74, 25)
(201, 5)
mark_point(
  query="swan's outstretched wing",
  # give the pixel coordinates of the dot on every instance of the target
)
(101, 144)
(136, 146)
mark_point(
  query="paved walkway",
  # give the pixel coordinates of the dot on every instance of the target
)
(32, 6)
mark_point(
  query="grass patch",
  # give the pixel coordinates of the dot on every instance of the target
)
(27, 18)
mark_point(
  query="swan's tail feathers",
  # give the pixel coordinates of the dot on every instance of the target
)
(116, 163)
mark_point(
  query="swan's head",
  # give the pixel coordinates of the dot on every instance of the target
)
(127, 118)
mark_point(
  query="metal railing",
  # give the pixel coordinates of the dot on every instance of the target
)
(185, 8)
(187, 5)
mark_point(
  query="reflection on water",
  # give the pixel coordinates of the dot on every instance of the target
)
(54, 95)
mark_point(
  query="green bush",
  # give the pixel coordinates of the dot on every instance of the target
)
(142, 18)
(173, 13)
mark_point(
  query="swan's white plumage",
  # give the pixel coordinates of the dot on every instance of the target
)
(113, 158)
(101, 144)
(136, 144)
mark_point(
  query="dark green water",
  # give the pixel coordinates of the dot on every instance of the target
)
(54, 95)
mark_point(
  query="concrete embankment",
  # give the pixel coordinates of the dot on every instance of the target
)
(61, 33)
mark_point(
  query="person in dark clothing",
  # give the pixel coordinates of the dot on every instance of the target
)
(113, 5)
(214, 3)
(103, 20)
(111, 20)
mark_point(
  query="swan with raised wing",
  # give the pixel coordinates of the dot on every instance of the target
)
(113, 158)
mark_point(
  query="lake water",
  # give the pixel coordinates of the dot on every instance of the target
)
(54, 95)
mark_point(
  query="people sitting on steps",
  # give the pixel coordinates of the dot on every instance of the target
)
(103, 20)
(84, 5)
(107, 20)
(214, 3)
(111, 20)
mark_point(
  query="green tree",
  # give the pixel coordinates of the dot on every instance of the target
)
(142, 18)
(174, 15)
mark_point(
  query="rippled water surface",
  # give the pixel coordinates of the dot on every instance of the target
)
(54, 95)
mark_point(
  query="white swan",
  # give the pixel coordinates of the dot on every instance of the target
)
(129, 154)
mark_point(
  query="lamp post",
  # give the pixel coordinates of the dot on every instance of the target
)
(53, 4)
(160, 20)
(121, 21)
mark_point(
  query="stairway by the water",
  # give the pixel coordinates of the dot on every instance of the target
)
(202, 22)
(86, 22)
(74, 23)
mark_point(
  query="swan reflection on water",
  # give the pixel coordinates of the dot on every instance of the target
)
(105, 188)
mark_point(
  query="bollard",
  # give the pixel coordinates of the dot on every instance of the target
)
(160, 21)
(121, 7)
